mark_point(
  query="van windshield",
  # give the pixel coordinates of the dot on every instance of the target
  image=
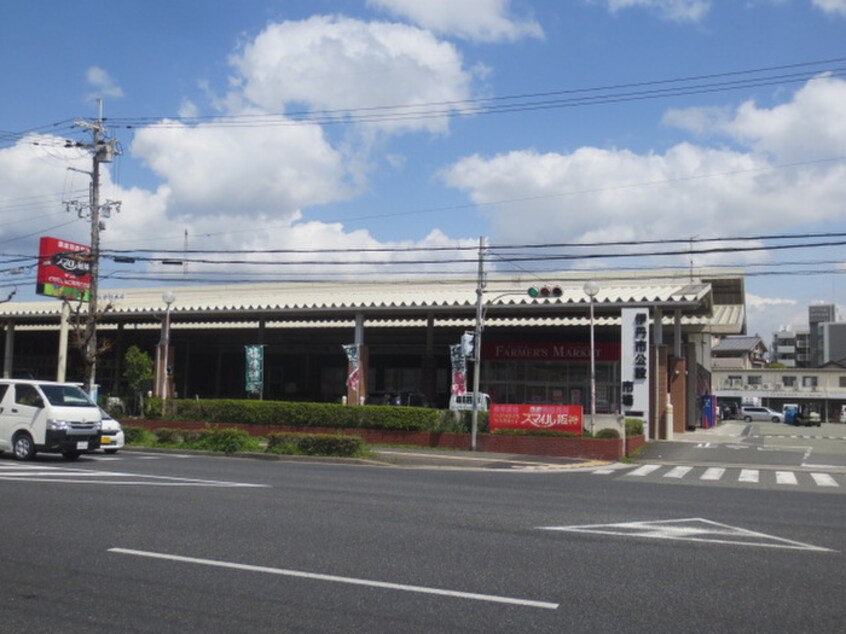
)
(66, 396)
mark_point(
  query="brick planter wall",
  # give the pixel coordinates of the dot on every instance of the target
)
(555, 446)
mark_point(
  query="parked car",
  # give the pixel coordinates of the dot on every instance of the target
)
(47, 416)
(403, 397)
(756, 413)
(111, 434)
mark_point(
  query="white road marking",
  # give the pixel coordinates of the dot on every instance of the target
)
(695, 529)
(786, 477)
(644, 470)
(824, 480)
(714, 473)
(335, 579)
(65, 475)
(604, 471)
(749, 475)
(677, 472)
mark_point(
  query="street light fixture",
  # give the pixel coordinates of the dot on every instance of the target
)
(591, 289)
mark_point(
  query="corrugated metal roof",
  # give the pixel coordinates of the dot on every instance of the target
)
(401, 300)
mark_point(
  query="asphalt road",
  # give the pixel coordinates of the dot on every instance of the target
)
(163, 543)
(765, 444)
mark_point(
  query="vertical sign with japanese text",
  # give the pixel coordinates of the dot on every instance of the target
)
(634, 363)
(254, 369)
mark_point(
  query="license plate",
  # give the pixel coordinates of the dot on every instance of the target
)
(105, 440)
(82, 445)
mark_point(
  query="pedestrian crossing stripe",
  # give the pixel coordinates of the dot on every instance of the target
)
(715, 474)
(16, 472)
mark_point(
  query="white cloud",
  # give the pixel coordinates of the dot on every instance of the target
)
(832, 6)
(767, 315)
(674, 10)
(810, 126)
(479, 20)
(103, 83)
(214, 169)
(615, 194)
(337, 63)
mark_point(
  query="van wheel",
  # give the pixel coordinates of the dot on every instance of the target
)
(71, 455)
(748, 419)
(23, 447)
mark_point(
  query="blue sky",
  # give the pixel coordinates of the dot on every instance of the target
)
(220, 111)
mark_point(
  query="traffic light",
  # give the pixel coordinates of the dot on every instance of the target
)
(544, 292)
(468, 342)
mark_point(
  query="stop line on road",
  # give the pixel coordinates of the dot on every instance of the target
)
(20, 472)
(717, 474)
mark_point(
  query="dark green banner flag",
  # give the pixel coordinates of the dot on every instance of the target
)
(254, 369)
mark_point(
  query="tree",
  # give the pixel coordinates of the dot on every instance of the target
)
(84, 324)
(137, 370)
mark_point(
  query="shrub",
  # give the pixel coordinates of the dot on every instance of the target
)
(315, 444)
(607, 433)
(237, 412)
(169, 437)
(228, 441)
(137, 436)
(634, 427)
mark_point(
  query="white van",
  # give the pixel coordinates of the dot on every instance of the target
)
(464, 402)
(47, 416)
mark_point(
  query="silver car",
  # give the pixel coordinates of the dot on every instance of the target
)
(757, 413)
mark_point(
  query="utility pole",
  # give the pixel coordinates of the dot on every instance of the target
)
(477, 343)
(102, 151)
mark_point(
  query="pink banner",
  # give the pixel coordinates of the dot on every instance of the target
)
(567, 418)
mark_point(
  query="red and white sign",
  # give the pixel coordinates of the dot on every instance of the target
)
(566, 418)
(64, 269)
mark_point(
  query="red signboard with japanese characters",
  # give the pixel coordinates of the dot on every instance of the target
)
(64, 269)
(566, 418)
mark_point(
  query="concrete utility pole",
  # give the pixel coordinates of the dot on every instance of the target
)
(102, 151)
(477, 343)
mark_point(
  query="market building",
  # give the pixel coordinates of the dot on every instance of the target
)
(533, 349)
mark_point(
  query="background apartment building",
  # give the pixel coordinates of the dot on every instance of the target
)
(792, 348)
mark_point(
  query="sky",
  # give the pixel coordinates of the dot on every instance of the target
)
(275, 140)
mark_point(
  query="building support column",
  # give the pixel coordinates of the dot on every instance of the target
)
(429, 366)
(9, 355)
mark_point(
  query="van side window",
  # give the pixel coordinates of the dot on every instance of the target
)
(28, 395)
(3, 389)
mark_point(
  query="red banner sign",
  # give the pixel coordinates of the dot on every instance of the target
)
(567, 418)
(64, 269)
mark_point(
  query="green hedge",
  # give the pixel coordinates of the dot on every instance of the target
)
(315, 445)
(294, 414)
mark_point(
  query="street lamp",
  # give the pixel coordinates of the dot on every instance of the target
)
(591, 288)
(164, 384)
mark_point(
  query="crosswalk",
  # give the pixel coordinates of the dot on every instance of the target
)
(34, 472)
(728, 475)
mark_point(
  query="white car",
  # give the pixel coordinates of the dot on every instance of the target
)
(754, 412)
(111, 434)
